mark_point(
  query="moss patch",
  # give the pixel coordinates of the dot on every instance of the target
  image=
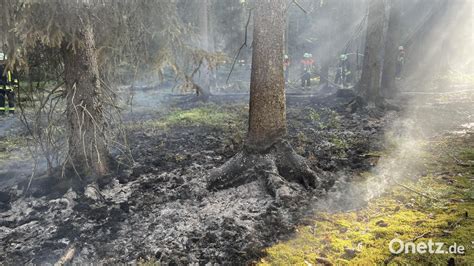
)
(439, 206)
(207, 115)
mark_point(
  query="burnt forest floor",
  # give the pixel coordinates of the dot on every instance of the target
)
(158, 209)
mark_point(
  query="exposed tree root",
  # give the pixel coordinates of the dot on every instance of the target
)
(358, 103)
(283, 170)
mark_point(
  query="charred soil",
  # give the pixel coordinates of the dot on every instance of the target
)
(160, 209)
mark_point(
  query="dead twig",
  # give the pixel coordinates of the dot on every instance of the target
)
(241, 47)
(414, 190)
(420, 236)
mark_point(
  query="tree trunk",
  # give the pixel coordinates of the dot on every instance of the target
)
(369, 84)
(206, 77)
(88, 154)
(267, 121)
(204, 24)
(392, 42)
(267, 153)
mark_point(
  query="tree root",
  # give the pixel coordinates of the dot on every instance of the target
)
(359, 103)
(283, 170)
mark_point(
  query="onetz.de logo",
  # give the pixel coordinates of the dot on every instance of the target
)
(398, 246)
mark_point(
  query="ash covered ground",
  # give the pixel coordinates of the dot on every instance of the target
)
(159, 209)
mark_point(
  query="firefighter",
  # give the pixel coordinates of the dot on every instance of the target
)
(343, 74)
(307, 65)
(400, 62)
(8, 83)
(286, 67)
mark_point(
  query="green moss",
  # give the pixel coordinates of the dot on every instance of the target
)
(208, 115)
(324, 118)
(362, 237)
(200, 116)
(467, 154)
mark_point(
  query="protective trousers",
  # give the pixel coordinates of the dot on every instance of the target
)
(7, 93)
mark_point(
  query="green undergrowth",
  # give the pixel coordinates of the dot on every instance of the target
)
(323, 118)
(438, 205)
(209, 115)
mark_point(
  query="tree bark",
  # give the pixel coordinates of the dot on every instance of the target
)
(207, 76)
(266, 153)
(87, 150)
(369, 84)
(392, 42)
(204, 24)
(267, 121)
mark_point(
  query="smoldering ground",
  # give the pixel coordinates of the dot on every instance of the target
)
(161, 208)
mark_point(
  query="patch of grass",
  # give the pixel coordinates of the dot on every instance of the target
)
(324, 118)
(467, 154)
(208, 115)
(340, 145)
(211, 116)
(362, 237)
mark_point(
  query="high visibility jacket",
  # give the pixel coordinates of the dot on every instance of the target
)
(7, 80)
(307, 64)
(3, 78)
(10, 84)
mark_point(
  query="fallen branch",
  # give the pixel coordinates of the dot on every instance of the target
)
(414, 191)
(420, 236)
(458, 221)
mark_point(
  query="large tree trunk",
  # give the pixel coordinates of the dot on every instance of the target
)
(267, 154)
(204, 23)
(206, 43)
(369, 84)
(87, 150)
(267, 122)
(392, 42)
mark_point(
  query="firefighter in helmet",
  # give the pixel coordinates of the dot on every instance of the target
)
(286, 67)
(400, 62)
(343, 74)
(307, 65)
(8, 84)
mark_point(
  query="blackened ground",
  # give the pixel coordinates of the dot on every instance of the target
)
(160, 209)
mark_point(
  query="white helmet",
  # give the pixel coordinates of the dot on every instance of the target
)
(285, 56)
(400, 48)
